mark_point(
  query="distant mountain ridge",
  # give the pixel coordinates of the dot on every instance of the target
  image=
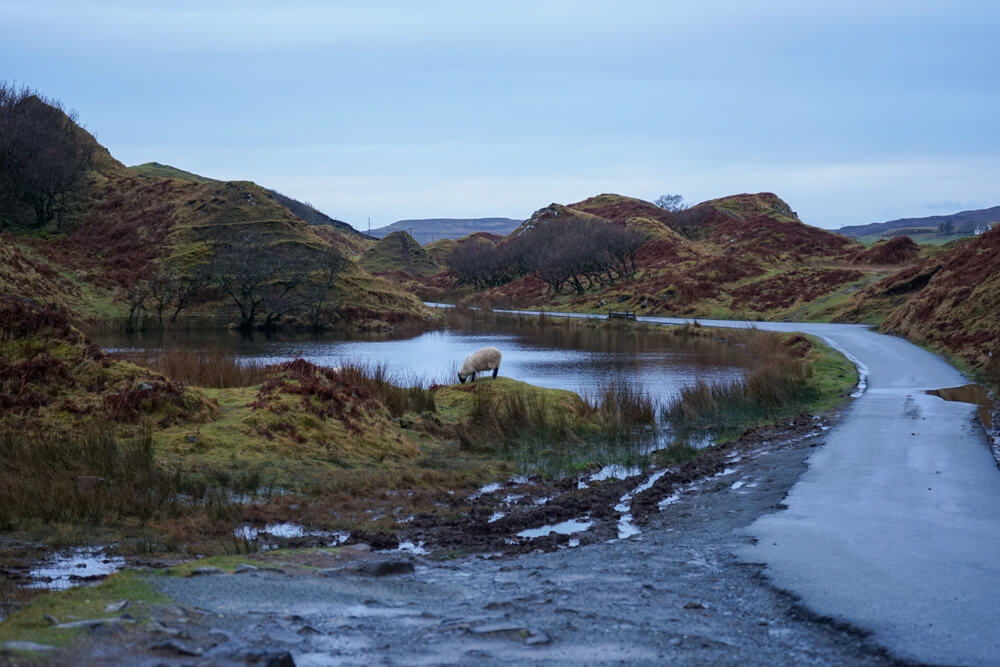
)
(428, 230)
(963, 222)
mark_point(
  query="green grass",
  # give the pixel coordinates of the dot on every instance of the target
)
(81, 603)
(157, 170)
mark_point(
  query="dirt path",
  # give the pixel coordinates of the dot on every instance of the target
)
(673, 592)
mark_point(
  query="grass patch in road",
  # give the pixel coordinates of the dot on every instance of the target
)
(75, 604)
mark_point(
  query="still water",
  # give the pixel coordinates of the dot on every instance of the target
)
(556, 356)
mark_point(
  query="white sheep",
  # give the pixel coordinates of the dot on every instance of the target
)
(481, 360)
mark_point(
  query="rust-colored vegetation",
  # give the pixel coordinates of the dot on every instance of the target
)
(897, 250)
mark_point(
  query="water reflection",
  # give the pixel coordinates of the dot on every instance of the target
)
(565, 357)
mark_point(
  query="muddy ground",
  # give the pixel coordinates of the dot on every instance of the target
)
(672, 591)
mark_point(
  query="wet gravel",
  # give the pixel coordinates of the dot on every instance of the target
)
(672, 592)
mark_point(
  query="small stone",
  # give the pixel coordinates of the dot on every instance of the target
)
(243, 568)
(144, 386)
(176, 647)
(497, 629)
(537, 638)
(26, 646)
(206, 571)
(51, 620)
(116, 606)
(693, 605)
(384, 568)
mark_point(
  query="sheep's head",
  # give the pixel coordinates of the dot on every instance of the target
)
(461, 380)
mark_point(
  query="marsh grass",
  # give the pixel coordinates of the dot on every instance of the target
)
(543, 435)
(399, 394)
(780, 385)
(93, 476)
(621, 406)
(213, 369)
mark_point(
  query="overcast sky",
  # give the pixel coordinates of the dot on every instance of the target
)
(852, 111)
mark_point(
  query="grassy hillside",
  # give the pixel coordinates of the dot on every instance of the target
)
(142, 240)
(157, 170)
(399, 252)
(744, 255)
(949, 301)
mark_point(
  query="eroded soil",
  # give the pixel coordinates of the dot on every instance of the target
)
(672, 591)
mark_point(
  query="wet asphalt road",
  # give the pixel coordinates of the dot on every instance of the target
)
(895, 527)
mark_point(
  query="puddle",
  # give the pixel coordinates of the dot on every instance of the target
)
(626, 528)
(614, 471)
(71, 569)
(669, 500)
(970, 393)
(410, 547)
(284, 529)
(564, 528)
(496, 517)
(483, 490)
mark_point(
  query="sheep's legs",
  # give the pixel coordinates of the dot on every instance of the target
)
(495, 371)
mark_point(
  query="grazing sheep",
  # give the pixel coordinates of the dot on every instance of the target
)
(481, 360)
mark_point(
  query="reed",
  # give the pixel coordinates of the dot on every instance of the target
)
(778, 386)
(398, 394)
(92, 476)
(215, 369)
(622, 406)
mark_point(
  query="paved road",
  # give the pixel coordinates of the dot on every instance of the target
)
(895, 527)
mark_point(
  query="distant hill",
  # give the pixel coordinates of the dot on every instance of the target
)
(963, 223)
(433, 229)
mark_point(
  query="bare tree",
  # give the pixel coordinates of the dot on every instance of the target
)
(671, 202)
(260, 277)
(134, 296)
(319, 292)
(581, 253)
(44, 155)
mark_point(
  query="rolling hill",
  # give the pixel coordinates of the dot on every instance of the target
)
(432, 229)
(157, 239)
(963, 223)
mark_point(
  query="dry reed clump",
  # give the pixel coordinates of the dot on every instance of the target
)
(86, 476)
(503, 419)
(779, 385)
(398, 395)
(215, 369)
(621, 406)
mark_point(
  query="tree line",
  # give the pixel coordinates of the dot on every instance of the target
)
(567, 253)
(265, 282)
(44, 158)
